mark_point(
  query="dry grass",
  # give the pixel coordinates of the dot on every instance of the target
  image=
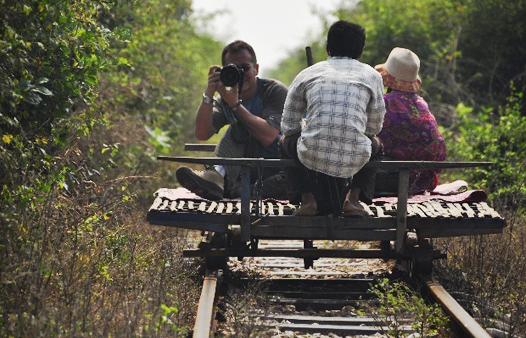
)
(489, 272)
(83, 263)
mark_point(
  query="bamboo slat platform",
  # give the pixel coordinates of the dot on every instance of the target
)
(387, 222)
(272, 219)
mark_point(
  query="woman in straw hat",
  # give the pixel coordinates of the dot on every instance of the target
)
(410, 131)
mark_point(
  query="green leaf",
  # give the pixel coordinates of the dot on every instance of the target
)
(42, 90)
(92, 80)
(42, 80)
(123, 61)
(32, 98)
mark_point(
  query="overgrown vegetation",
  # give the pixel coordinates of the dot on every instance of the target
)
(497, 137)
(93, 90)
(401, 310)
(470, 51)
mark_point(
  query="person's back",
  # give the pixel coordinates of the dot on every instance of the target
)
(342, 113)
(410, 131)
(342, 101)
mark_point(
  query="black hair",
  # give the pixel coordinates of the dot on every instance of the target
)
(237, 46)
(345, 39)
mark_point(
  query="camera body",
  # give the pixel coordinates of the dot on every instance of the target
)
(230, 75)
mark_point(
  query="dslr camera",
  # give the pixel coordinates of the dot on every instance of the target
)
(231, 75)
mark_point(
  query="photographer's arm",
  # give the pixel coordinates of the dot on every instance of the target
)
(258, 127)
(204, 129)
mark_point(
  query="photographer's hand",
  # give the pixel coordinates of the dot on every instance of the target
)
(229, 94)
(213, 80)
(204, 128)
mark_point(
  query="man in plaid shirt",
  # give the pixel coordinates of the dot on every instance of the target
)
(332, 113)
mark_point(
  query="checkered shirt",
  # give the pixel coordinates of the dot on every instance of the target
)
(335, 104)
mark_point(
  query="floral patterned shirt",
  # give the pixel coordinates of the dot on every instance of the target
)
(410, 133)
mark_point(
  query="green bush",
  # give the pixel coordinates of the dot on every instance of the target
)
(470, 50)
(399, 307)
(78, 87)
(496, 137)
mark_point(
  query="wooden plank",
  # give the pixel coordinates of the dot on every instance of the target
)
(220, 208)
(366, 207)
(380, 212)
(181, 205)
(173, 206)
(454, 211)
(489, 210)
(414, 210)
(430, 211)
(208, 147)
(211, 207)
(468, 209)
(164, 205)
(401, 207)
(270, 208)
(280, 209)
(156, 203)
(437, 206)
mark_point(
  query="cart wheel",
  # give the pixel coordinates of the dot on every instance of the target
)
(218, 241)
(421, 265)
(235, 241)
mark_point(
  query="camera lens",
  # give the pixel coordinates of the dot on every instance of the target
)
(230, 75)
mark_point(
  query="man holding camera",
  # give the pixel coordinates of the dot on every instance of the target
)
(252, 107)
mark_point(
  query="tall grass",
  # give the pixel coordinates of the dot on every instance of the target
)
(487, 274)
(83, 262)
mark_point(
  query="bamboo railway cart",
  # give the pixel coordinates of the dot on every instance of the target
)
(234, 227)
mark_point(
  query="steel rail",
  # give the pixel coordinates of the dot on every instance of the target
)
(467, 323)
(204, 321)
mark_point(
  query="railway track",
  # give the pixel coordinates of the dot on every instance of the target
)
(332, 299)
(238, 229)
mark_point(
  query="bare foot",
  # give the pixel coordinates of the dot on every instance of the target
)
(306, 210)
(308, 207)
(353, 208)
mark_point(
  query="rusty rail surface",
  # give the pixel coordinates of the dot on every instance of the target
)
(334, 297)
(468, 324)
(205, 319)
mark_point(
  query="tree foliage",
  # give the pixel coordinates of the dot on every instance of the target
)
(470, 51)
(496, 137)
(91, 90)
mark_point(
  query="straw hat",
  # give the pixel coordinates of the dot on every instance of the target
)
(400, 71)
